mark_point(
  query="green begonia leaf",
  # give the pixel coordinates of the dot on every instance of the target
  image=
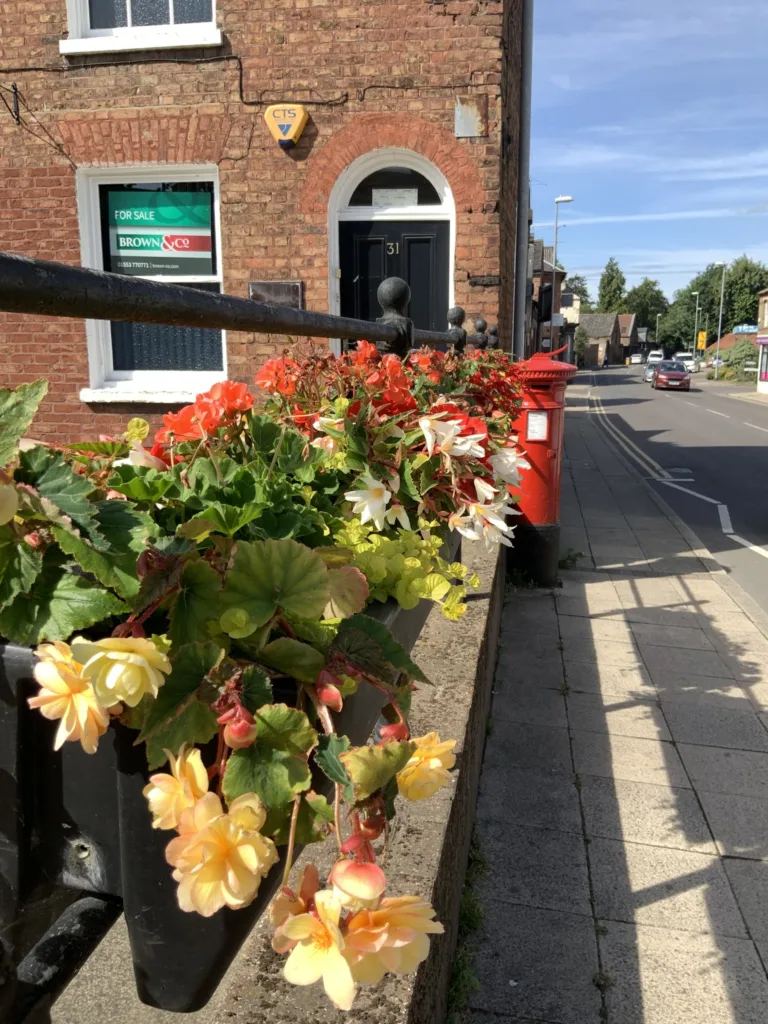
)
(195, 724)
(274, 775)
(368, 645)
(256, 689)
(191, 664)
(314, 823)
(57, 606)
(293, 658)
(371, 768)
(328, 759)
(20, 566)
(141, 484)
(285, 729)
(57, 482)
(17, 410)
(195, 604)
(229, 519)
(273, 575)
(349, 592)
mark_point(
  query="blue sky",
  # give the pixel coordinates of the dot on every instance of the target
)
(653, 115)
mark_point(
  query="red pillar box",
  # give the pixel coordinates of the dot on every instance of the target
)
(536, 551)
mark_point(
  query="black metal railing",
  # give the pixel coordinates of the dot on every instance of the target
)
(44, 288)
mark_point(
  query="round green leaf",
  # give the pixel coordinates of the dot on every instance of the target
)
(285, 729)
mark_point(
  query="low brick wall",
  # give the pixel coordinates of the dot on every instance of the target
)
(429, 846)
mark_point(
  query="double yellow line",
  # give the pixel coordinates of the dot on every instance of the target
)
(645, 462)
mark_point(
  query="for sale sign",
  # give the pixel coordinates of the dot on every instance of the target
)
(160, 234)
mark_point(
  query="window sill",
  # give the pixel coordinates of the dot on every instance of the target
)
(147, 397)
(156, 38)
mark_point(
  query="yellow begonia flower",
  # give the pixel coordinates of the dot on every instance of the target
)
(393, 938)
(289, 904)
(428, 768)
(169, 796)
(220, 858)
(319, 952)
(65, 694)
(121, 668)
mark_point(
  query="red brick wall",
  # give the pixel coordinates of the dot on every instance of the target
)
(412, 56)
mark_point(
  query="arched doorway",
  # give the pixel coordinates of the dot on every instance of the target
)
(391, 213)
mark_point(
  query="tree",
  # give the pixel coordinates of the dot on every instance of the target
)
(577, 284)
(612, 290)
(743, 281)
(580, 342)
(646, 300)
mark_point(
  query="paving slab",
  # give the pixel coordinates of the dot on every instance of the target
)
(654, 885)
(520, 797)
(550, 956)
(625, 757)
(595, 629)
(669, 661)
(535, 747)
(535, 867)
(735, 772)
(605, 653)
(688, 637)
(689, 688)
(595, 712)
(749, 879)
(522, 667)
(738, 823)
(716, 727)
(671, 977)
(641, 813)
(530, 704)
(588, 677)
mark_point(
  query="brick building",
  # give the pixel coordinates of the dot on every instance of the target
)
(148, 115)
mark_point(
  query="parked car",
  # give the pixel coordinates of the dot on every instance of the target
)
(649, 371)
(636, 359)
(671, 374)
(715, 361)
(689, 361)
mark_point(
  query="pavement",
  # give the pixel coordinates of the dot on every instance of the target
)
(705, 452)
(623, 808)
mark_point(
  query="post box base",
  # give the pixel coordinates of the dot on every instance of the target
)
(536, 553)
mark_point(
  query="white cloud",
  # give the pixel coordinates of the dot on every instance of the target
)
(641, 218)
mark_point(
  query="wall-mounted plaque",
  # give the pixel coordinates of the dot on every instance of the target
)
(279, 293)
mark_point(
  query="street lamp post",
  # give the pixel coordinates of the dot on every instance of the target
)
(658, 317)
(720, 324)
(558, 200)
(696, 321)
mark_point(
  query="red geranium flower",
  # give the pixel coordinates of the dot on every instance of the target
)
(231, 396)
(366, 352)
(278, 375)
(188, 424)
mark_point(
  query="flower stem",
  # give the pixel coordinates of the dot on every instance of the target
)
(292, 839)
(337, 816)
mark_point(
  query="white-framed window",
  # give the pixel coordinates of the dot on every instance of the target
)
(107, 26)
(161, 223)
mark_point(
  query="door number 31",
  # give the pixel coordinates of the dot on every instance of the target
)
(393, 248)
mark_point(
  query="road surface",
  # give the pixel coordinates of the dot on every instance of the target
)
(706, 454)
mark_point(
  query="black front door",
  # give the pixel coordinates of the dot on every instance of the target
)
(416, 251)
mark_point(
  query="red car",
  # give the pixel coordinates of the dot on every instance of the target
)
(671, 375)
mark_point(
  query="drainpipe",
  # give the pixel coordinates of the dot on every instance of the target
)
(524, 182)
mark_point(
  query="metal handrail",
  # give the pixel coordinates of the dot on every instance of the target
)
(45, 288)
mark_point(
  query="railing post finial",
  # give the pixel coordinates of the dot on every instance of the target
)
(481, 329)
(456, 317)
(394, 294)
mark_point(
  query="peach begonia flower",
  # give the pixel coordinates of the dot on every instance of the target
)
(289, 904)
(428, 768)
(355, 885)
(319, 952)
(122, 668)
(220, 858)
(169, 796)
(393, 938)
(65, 694)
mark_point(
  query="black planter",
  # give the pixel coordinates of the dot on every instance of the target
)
(81, 822)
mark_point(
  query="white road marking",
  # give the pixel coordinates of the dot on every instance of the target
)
(752, 547)
(693, 404)
(725, 519)
(644, 461)
(695, 494)
(755, 427)
(716, 413)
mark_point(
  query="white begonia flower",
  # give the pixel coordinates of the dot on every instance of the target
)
(325, 423)
(485, 522)
(397, 514)
(370, 504)
(327, 444)
(507, 464)
(139, 456)
(445, 435)
(484, 491)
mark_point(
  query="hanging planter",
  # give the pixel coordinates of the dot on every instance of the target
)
(203, 619)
